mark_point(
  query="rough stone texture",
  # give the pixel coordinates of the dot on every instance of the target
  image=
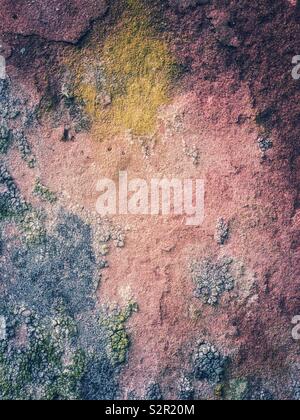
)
(184, 5)
(234, 107)
(212, 279)
(208, 363)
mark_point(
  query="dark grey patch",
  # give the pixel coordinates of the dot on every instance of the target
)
(62, 267)
(265, 144)
(49, 302)
(153, 392)
(99, 381)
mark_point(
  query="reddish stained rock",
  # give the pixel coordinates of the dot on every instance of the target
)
(56, 20)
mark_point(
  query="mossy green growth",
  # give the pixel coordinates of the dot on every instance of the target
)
(118, 339)
(135, 70)
(41, 191)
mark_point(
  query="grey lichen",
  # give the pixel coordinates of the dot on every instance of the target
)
(12, 204)
(208, 363)
(186, 389)
(55, 346)
(212, 279)
(192, 152)
(31, 225)
(237, 389)
(258, 390)
(35, 367)
(264, 143)
(296, 390)
(222, 231)
(25, 149)
(41, 191)
(153, 392)
(5, 137)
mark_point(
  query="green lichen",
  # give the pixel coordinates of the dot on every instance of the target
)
(32, 227)
(212, 279)
(13, 208)
(43, 192)
(66, 386)
(236, 389)
(5, 139)
(54, 347)
(118, 339)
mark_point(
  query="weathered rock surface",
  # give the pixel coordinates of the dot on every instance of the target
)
(217, 97)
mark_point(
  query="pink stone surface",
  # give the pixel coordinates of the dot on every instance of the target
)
(56, 20)
(238, 72)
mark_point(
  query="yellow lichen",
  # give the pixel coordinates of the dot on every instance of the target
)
(124, 77)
